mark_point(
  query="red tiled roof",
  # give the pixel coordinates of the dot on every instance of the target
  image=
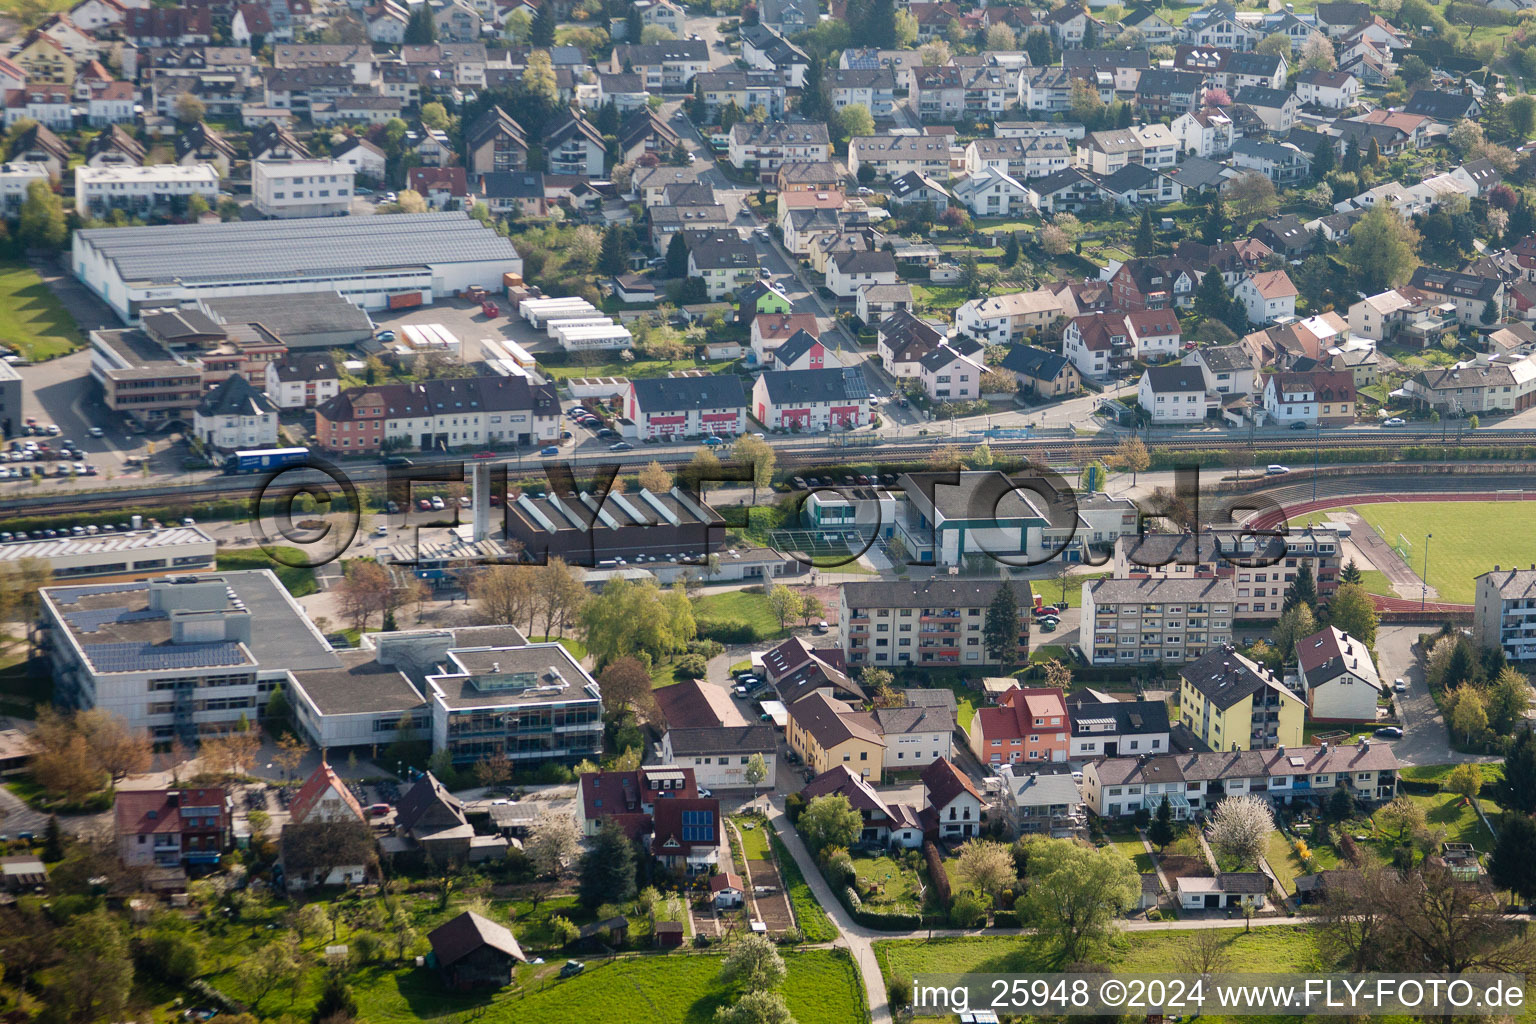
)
(946, 783)
(321, 780)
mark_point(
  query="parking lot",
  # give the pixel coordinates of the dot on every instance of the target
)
(466, 322)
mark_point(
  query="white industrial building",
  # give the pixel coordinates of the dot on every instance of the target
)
(104, 555)
(302, 188)
(140, 190)
(374, 262)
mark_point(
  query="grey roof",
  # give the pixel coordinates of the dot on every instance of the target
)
(670, 394)
(467, 933)
(1442, 106)
(305, 247)
(638, 54)
(1226, 357)
(1169, 379)
(1198, 172)
(1035, 362)
(779, 133)
(937, 593)
(1225, 677)
(358, 685)
(1131, 717)
(726, 739)
(1161, 591)
(305, 366)
(919, 718)
(795, 346)
(1043, 790)
(1512, 584)
(1105, 60)
(235, 397)
(1260, 96)
(300, 313)
(834, 384)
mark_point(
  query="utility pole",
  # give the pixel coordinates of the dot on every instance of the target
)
(1424, 581)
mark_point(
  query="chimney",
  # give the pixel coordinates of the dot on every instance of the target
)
(1323, 747)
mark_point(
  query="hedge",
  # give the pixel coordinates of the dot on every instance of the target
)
(1006, 919)
(937, 876)
(726, 631)
(887, 922)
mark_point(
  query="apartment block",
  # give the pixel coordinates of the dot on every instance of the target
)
(1505, 611)
(1150, 621)
(923, 623)
(1232, 703)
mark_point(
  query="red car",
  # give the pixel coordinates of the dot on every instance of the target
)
(485, 455)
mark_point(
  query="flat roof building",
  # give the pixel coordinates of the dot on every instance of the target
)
(374, 262)
(317, 319)
(674, 527)
(142, 552)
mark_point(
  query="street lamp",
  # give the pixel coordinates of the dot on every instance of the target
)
(1317, 445)
(1424, 581)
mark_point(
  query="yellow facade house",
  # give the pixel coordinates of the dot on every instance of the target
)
(1232, 703)
(827, 733)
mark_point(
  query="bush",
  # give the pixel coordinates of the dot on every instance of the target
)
(1142, 818)
(1005, 919)
(1154, 914)
(1350, 850)
(937, 876)
(967, 911)
(690, 666)
(794, 806)
(791, 937)
(706, 648)
(851, 897)
(899, 990)
(552, 773)
(727, 631)
(888, 921)
(839, 869)
(563, 930)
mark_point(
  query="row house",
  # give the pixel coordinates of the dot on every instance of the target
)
(938, 93)
(1316, 398)
(1018, 157)
(987, 91)
(811, 401)
(1196, 783)
(711, 405)
(439, 414)
(1498, 385)
(804, 351)
(48, 105)
(892, 156)
(1102, 726)
(1048, 90)
(1232, 70)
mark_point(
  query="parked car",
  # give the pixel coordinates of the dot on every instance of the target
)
(551, 450)
(572, 968)
(96, 432)
(1298, 425)
(1047, 625)
(620, 446)
(1400, 685)
(1394, 421)
(1390, 732)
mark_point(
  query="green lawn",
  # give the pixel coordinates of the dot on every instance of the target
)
(822, 987)
(31, 318)
(814, 923)
(898, 886)
(937, 297)
(1129, 843)
(749, 606)
(1375, 582)
(1277, 949)
(577, 649)
(619, 368)
(1283, 861)
(1461, 824)
(299, 580)
(754, 838)
(1492, 772)
(1460, 550)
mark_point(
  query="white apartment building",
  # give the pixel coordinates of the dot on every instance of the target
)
(140, 190)
(1003, 319)
(1505, 612)
(1146, 621)
(14, 180)
(302, 188)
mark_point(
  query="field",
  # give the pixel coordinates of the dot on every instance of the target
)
(1276, 949)
(822, 988)
(1457, 554)
(31, 318)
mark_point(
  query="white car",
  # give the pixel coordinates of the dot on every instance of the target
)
(1400, 685)
(1395, 421)
(381, 530)
(437, 503)
(96, 432)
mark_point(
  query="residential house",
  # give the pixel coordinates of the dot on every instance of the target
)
(1266, 296)
(1003, 319)
(765, 146)
(1041, 373)
(901, 340)
(811, 400)
(850, 271)
(1021, 158)
(1337, 677)
(1231, 703)
(686, 836)
(1445, 107)
(872, 88)
(1316, 397)
(665, 66)
(827, 733)
(884, 824)
(1479, 300)
(1173, 394)
(1067, 191)
(952, 372)
(992, 193)
(1104, 726)
(766, 50)
(895, 155)
(630, 798)
(1027, 725)
(1504, 612)
(952, 803)
(1137, 184)
(746, 89)
(1281, 162)
(1206, 132)
(172, 828)
(1098, 344)
(719, 756)
(1331, 90)
(1228, 370)
(494, 142)
(1166, 92)
(935, 622)
(723, 265)
(1276, 107)
(875, 302)
(114, 147)
(301, 380)
(920, 731)
(367, 161)
(771, 330)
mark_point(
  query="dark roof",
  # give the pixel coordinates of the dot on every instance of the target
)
(1132, 717)
(428, 802)
(1225, 677)
(795, 346)
(468, 933)
(674, 394)
(494, 121)
(1260, 96)
(946, 783)
(958, 592)
(1168, 379)
(1442, 106)
(725, 739)
(834, 384)
(1449, 282)
(1035, 362)
(473, 394)
(1166, 81)
(572, 126)
(235, 397)
(305, 366)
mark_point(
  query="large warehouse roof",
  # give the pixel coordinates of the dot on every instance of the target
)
(312, 247)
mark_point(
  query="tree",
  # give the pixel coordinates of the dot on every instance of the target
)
(655, 478)
(1402, 816)
(812, 99)
(1351, 610)
(906, 30)
(613, 260)
(1465, 136)
(1053, 240)
(1515, 791)
(986, 867)
(626, 687)
(1145, 244)
(1469, 715)
(94, 976)
(810, 608)
(1508, 699)
(1131, 456)
(53, 840)
(291, 749)
(757, 453)
(1204, 952)
(553, 842)
(1302, 590)
(544, 25)
(829, 821)
(42, 224)
(756, 772)
(1076, 893)
(1317, 53)
(1513, 864)
(1240, 828)
(1276, 44)
(337, 1003)
(363, 591)
(607, 870)
(421, 30)
(1083, 103)
(270, 967)
(519, 26)
(188, 108)
(677, 256)
(1160, 833)
(756, 1008)
(1351, 573)
(114, 748)
(538, 79)
(855, 121)
(1000, 628)
(1252, 196)
(196, 206)
(1212, 300)
(785, 604)
(1465, 780)
(754, 964)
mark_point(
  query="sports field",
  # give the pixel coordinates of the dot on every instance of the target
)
(1470, 537)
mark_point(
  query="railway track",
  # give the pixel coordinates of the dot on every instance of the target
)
(1047, 450)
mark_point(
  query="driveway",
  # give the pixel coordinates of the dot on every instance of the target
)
(1425, 738)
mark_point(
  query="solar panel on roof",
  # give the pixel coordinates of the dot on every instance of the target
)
(92, 619)
(141, 657)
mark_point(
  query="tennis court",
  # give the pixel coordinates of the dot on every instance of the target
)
(817, 544)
